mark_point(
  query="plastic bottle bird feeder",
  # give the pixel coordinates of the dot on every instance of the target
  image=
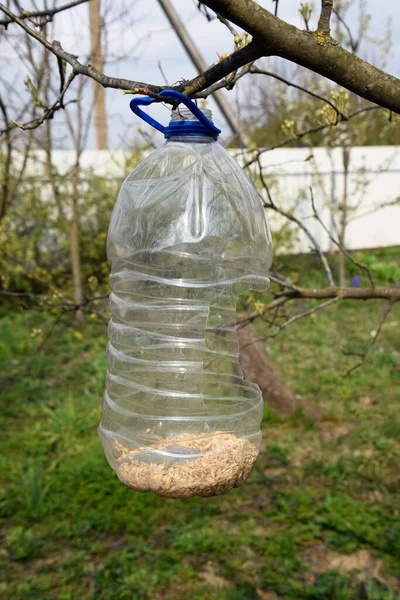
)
(187, 234)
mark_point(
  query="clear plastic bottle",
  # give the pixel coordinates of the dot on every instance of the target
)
(188, 233)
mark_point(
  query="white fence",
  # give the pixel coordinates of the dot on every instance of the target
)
(373, 189)
(373, 196)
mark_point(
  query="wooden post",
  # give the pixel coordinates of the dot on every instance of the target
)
(97, 60)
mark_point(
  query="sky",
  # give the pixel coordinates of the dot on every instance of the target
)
(140, 43)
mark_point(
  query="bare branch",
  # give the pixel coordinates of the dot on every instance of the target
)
(255, 155)
(231, 63)
(160, 68)
(271, 205)
(227, 83)
(220, 18)
(339, 245)
(49, 112)
(248, 318)
(353, 43)
(324, 23)
(317, 52)
(247, 54)
(228, 25)
(271, 36)
(373, 293)
(49, 12)
(61, 71)
(257, 70)
(6, 179)
(371, 343)
(376, 209)
(9, 194)
(302, 315)
(392, 294)
(281, 280)
(61, 301)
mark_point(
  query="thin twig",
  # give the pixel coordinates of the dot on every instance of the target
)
(265, 184)
(302, 315)
(162, 72)
(228, 25)
(5, 184)
(248, 318)
(105, 320)
(353, 43)
(228, 82)
(147, 138)
(49, 334)
(339, 245)
(49, 12)
(281, 280)
(361, 215)
(49, 112)
(371, 343)
(302, 134)
(61, 70)
(271, 205)
(86, 301)
(258, 71)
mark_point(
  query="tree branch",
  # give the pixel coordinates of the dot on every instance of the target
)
(324, 23)
(371, 343)
(313, 51)
(272, 206)
(227, 83)
(271, 36)
(49, 12)
(248, 53)
(248, 318)
(258, 71)
(339, 245)
(61, 301)
(302, 315)
(331, 292)
(226, 66)
(256, 155)
(49, 112)
(6, 176)
(228, 25)
(353, 43)
(372, 293)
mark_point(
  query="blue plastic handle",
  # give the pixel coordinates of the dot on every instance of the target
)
(146, 100)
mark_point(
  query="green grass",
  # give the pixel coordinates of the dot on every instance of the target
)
(319, 517)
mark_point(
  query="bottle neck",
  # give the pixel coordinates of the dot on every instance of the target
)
(192, 139)
(185, 125)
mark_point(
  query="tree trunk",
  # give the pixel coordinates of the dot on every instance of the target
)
(97, 60)
(74, 244)
(343, 220)
(259, 368)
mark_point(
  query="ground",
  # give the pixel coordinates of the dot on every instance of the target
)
(319, 517)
